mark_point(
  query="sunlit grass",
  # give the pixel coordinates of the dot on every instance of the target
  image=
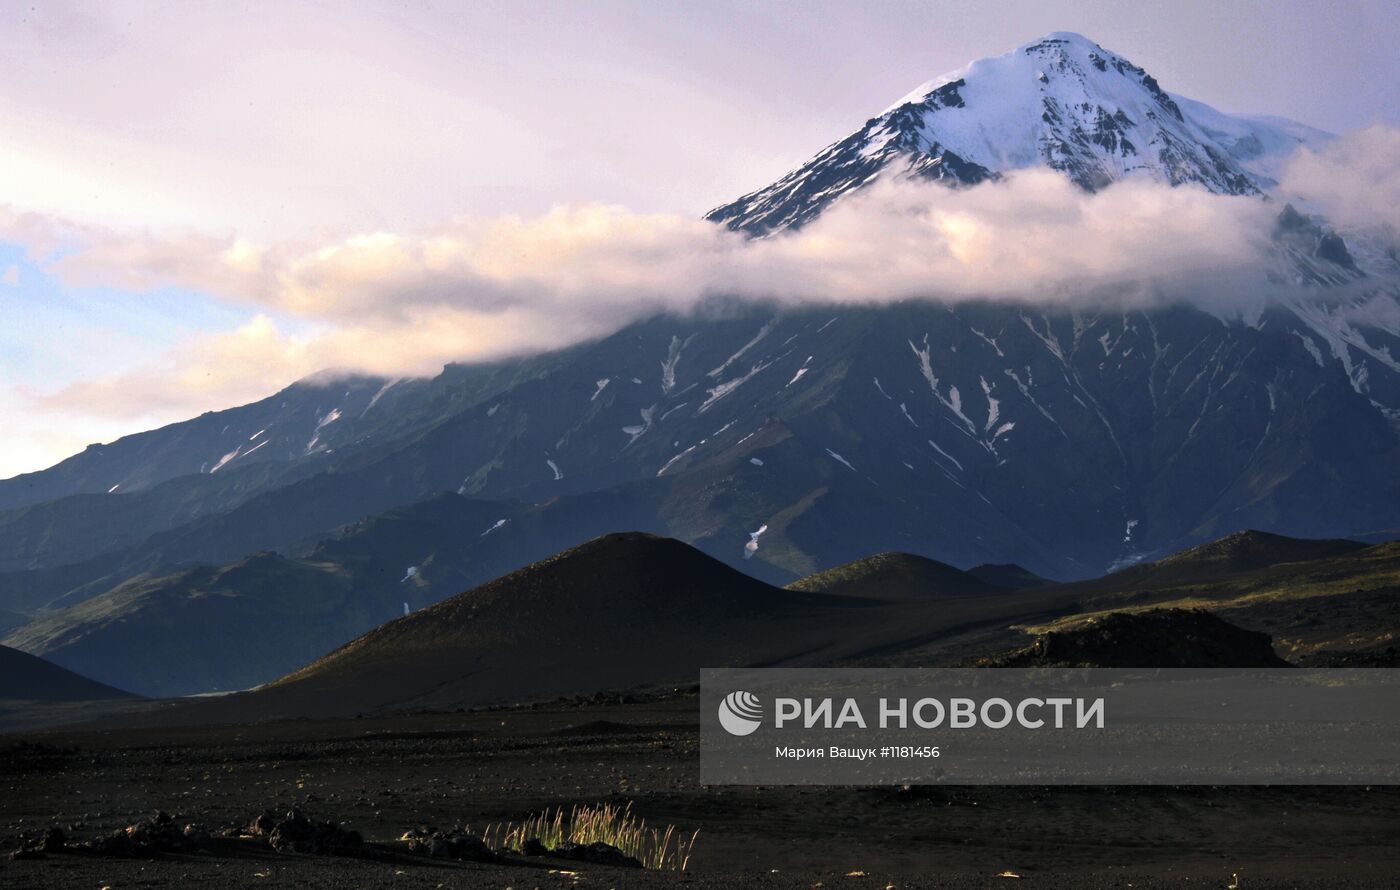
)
(663, 849)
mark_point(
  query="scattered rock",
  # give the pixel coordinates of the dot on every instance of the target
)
(597, 853)
(455, 844)
(262, 824)
(197, 837)
(39, 844)
(52, 840)
(297, 833)
(159, 834)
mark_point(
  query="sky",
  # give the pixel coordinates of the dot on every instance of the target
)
(150, 133)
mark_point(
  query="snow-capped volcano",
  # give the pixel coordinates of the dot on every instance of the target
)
(1062, 102)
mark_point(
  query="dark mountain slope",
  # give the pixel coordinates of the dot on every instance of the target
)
(1134, 434)
(1249, 549)
(91, 519)
(278, 427)
(1238, 553)
(1111, 440)
(895, 576)
(1008, 576)
(861, 453)
(322, 420)
(205, 629)
(24, 677)
(11, 620)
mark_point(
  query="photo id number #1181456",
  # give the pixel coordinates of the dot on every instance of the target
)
(910, 751)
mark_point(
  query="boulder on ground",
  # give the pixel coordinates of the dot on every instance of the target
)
(597, 853)
(298, 833)
(457, 844)
(40, 843)
(162, 833)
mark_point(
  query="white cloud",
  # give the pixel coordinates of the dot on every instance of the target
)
(1033, 236)
(1354, 181)
(406, 303)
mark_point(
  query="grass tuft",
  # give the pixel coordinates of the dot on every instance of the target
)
(662, 849)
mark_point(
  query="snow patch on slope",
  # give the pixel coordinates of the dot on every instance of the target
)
(225, 459)
(743, 350)
(379, 395)
(993, 406)
(500, 523)
(714, 394)
(752, 546)
(953, 401)
(839, 459)
(945, 454)
(636, 431)
(666, 466)
(668, 367)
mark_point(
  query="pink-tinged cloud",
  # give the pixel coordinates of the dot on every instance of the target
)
(405, 303)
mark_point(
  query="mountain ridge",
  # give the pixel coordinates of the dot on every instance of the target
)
(1062, 102)
(895, 576)
(634, 611)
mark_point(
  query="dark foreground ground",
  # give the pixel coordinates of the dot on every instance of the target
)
(382, 776)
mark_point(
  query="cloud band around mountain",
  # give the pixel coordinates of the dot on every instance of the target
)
(407, 303)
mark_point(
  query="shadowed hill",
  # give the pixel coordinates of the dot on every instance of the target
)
(893, 577)
(623, 611)
(620, 611)
(632, 610)
(1167, 638)
(25, 677)
(1008, 575)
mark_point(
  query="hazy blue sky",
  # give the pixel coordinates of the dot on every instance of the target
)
(301, 121)
(282, 115)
